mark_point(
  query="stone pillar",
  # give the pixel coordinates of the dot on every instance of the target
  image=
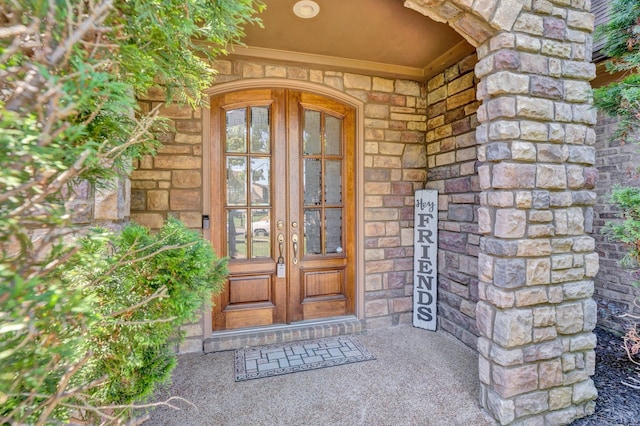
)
(536, 262)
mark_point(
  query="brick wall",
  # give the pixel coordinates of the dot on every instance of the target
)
(617, 164)
(451, 156)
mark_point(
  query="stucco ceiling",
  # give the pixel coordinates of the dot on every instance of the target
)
(381, 35)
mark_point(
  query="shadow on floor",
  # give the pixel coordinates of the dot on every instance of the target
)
(418, 378)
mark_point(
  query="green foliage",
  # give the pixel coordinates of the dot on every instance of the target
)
(72, 321)
(622, 43)
(622, 99)
(628, 230)
(72, 95)
(201, 29)
(145, 285)
(621, 34)
(41, 335)
(107, 317)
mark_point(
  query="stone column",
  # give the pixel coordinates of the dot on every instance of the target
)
(536, 262)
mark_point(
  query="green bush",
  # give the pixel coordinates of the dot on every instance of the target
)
(129, 293)
(628, 230)
(145, 286)
(80, 322)
(621, 36)
(42, 326)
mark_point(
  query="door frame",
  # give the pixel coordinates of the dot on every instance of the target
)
(303, 86)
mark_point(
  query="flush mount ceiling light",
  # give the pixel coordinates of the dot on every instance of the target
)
(306, 9)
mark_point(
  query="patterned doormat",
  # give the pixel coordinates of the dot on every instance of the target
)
(274, 360)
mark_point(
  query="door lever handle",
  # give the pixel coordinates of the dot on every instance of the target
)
(280, 244)
(294, 238)
(281, 270)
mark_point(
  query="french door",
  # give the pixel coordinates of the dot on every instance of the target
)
(283, 207)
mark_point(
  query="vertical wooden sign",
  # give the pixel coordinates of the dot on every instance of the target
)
(425, 260)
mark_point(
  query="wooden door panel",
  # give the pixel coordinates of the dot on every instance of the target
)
(255, 317)
(251, 289)
(326, 285)
(322, 283)
(255, 97)
(325, 308)
(253, 295)
(319, 284)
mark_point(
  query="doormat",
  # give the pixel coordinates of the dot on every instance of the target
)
(274, 360)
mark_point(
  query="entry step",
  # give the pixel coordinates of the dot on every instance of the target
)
(238, 339)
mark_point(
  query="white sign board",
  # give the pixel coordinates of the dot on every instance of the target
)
(425, 259)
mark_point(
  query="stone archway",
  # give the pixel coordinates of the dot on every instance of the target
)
(535, 141)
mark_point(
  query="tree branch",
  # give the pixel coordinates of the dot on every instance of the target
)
(159, 293)
(55, 399)
(98, 14)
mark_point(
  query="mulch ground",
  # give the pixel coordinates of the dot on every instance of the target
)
(617, 403)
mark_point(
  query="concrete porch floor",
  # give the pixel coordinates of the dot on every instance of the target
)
(418, 378)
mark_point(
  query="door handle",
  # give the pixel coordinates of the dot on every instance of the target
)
(294, 239)
(281, 269)
(280, 243)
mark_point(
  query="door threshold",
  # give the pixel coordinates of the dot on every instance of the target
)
(276, 334)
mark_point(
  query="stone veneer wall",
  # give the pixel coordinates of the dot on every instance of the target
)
(536, 262)
(394, 167)
(617, 164)
(535, 313)
(171, 182)
(452, 169)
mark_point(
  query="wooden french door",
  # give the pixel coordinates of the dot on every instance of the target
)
(283, 207)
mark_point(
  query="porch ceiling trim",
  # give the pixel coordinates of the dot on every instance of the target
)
(449, 58)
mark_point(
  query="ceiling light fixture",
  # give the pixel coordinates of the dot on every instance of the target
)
(306, 9)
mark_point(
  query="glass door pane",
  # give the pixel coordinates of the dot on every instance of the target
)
(312, 179)
(236, 131)
(333, 182)
(333, 227)
(236, 181)
(261, 181)
(311, 136)
(312, 231)
(322, 186)
(260, 130)
(333, 135)
(237, 234)
(260, 233)
(248, 182)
